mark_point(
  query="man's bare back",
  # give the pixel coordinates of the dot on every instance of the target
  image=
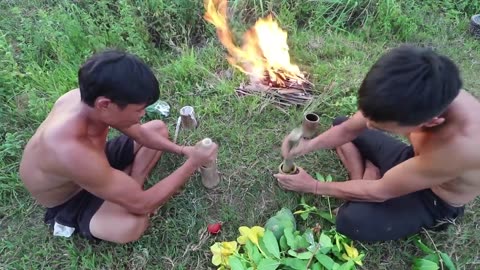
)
(38, 170)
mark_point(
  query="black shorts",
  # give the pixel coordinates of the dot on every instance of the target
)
(79, 210)
(398, 217)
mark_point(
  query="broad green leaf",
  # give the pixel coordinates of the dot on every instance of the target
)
(325, 243)
(423, 247)
(264, 248)
(447, 261)
(301, 255)
(288, 232)
(422, 264)
(326, 261)
(328, 178)
(317, 266)
(319, 177)
(305, 215)
(347, 266)
(253, 252)
(283, 243)
(432, 257)
(301, 242)
(295, 263)
(268, 264)
(308, 235)
(336, 266)
(271, 243)
(327, 216)
(235, 263)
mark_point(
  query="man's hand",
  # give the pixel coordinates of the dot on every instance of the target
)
(187, 151)
(301, 182)
(302, 148)
(203, 156)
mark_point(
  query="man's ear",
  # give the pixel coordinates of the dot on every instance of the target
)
(102, 103)
(434, 122)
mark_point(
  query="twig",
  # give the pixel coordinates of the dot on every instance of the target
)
(311, 258)
(436, 249)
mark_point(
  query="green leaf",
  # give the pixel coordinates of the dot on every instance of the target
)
(325, 243)
(271, 243)
(304, 215)
(326, 261)
(268, 264)
(295, 263)
(447, 261)
(347, 266)
(336, 266)
(253, 252)
(319, 177)
(328, 178)
(283, 243)
(235, 263)
(423, 247)
(327, 216)
(302, 255)
(422, 264)
(308, 235)
(288, 232)
(432, 257)
(301, 242)
(317, 266)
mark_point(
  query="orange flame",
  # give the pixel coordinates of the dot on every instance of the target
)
(264, 53)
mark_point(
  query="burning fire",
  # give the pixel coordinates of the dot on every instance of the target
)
(264, 54)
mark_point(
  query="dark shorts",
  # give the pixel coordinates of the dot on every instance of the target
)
(79, 210)
(398, 217)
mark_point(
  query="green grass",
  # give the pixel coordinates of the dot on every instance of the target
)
(43, 42)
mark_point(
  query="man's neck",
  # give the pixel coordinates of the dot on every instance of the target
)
(95, 125)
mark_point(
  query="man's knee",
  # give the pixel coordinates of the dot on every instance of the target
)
(338, 120)
(132, 229)
(159, 127)
(353, 222)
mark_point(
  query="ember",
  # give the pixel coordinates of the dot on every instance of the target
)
(264, 56)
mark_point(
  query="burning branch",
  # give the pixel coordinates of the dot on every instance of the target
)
(264, 56)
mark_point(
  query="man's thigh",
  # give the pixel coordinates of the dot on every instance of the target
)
(396, 218)
(384, 151)
(114, 223)
(389, 220)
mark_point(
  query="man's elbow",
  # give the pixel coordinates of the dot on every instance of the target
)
(139, 207)
(382, 196)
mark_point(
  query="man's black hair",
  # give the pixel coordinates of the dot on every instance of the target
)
(409, 85)
(119, 76)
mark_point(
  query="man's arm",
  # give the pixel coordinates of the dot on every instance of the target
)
(150, 139)
(91, 171)
(333, 137)
(340, 134)
(409, 176)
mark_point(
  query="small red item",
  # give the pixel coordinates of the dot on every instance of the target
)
(214, 228)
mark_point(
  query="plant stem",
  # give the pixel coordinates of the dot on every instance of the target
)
(436, 249)
(311, 258)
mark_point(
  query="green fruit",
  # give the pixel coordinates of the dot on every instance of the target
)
(283, 219)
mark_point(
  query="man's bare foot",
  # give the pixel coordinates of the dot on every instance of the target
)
(371, 171)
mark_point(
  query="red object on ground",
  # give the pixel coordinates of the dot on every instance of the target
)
(214, 228)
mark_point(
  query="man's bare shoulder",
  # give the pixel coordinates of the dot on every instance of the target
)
(78, 157)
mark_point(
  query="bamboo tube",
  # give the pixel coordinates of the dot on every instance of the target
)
(209, 173)
(310, 125)
(188, 118)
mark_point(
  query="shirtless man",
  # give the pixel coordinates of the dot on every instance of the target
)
(94, 186)
(415, 93)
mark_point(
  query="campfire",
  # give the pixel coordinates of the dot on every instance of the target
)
(263, 56)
